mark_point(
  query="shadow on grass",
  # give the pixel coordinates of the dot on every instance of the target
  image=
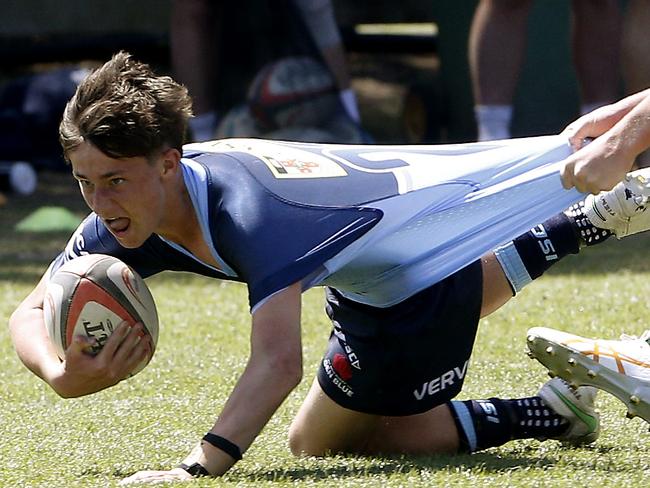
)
(485, 461)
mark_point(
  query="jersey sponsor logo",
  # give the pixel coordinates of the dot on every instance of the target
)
(445, 380)
(296, 168)
(332, 374)
(285, 162)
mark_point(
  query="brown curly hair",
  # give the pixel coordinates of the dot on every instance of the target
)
(125, 110)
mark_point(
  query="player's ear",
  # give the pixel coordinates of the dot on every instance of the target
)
(170, 160)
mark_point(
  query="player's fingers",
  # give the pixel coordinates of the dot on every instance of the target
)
(130, 341)
(115, 339)
(81, 345)
(134, 349)
(566, 174)
(569, 133)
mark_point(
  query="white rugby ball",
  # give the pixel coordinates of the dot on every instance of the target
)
(90, 296)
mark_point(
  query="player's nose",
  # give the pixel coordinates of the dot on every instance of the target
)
(102, 202)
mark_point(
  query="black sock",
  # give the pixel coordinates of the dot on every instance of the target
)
(588, 233)
(531, 254)
(547, 243)
(489, 423)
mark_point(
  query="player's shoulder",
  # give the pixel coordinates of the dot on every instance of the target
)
(92, 237)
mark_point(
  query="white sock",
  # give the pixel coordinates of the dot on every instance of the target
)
(493, 121)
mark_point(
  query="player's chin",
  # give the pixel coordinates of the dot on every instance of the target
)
(129, 238)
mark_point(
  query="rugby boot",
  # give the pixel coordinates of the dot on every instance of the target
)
(623, 208)
(621, 368)
(576, 405)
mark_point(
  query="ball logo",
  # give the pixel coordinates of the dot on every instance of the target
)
(99, 331)
(131, 284)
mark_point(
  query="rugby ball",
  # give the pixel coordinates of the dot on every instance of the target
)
(238, 122)
(292, 91)
(90, 296)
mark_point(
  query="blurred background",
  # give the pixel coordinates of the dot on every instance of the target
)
(394, 72)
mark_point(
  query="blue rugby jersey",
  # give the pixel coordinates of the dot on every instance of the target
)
(379, 223)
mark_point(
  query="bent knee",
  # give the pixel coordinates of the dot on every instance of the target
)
(303, 443)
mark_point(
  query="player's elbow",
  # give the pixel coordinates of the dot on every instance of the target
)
(286, 367)
(14, 319)
(290, 367)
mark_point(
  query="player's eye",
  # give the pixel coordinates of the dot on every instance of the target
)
(116, 181)
(85, 183)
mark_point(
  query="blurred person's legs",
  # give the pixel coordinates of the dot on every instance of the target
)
(318, 16)
(497, 45)
(635, 52)
(194, 31)
(635, 46)
(596, 47)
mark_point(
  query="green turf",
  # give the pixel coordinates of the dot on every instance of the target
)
(152, 420)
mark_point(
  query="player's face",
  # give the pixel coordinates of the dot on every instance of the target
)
(128, 194)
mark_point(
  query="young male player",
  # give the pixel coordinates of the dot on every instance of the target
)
(402, 237)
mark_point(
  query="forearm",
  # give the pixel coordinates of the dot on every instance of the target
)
(32, 343)
(631, 135)
(259, 392)
(625, 105)
(273, 370)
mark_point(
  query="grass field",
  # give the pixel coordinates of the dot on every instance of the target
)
(152, 420)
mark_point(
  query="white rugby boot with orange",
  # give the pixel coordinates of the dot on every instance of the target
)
(621, 368)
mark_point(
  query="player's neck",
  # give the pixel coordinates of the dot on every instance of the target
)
(182, 225)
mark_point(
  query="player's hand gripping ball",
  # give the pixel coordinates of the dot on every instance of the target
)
(90, 296)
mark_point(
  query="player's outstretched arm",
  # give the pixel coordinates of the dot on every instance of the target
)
(621, 132)
(79, 374)
(273, 371)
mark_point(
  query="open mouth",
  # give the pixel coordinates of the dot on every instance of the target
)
(118, 226)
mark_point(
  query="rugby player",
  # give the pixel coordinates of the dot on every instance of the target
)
(414, 245)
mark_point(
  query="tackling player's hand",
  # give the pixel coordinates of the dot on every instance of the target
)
(600, 164)
(83, 373)
(596, 167)
(591, 125)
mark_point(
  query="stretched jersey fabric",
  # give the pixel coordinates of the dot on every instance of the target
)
(378, 223)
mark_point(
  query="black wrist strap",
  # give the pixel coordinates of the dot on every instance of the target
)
(195, 469)
(224, 444)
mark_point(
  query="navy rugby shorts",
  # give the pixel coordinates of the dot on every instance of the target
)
(404, 359)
